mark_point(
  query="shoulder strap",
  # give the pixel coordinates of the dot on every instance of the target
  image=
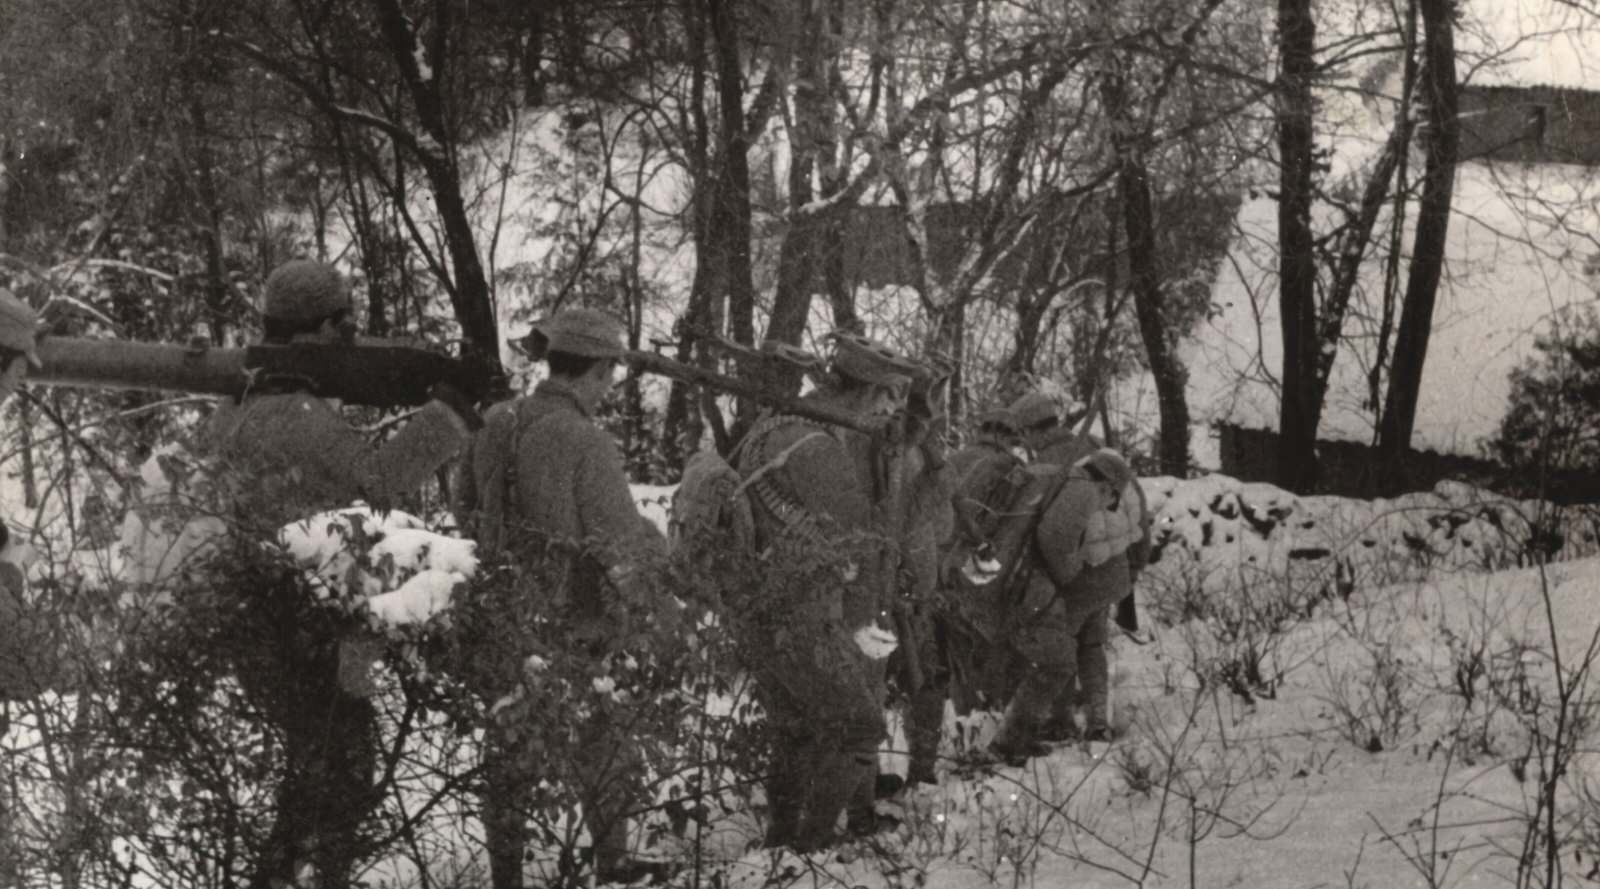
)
(1015, 571)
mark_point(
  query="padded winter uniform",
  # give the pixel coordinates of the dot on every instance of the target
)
(929, 522)
(813, 515)
(1081, 569)
(544, 485)
(276, 459)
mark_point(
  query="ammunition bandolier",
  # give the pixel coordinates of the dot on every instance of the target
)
(807, 485)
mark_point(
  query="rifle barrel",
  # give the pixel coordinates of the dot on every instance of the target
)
(377, 373)
(118, 364)
(650, 362)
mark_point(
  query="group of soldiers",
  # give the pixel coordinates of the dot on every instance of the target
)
(863, 528)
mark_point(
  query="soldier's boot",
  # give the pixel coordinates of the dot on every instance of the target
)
(1062, 724)
(1094, 681)
(785, 798)
(505, 827)
(1018, 740)
(611, 861)
(861, 815)
(924, 729)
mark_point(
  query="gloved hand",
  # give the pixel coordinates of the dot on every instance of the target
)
(457, 401)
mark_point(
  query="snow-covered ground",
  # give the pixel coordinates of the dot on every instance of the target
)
(1342, 694)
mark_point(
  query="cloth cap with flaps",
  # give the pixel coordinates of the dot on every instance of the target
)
(1034, 409)
(869, 361)
(998, 418)
(588, 333)
(1109, 465)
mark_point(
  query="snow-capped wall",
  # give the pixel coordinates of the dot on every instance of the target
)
(1209, 531)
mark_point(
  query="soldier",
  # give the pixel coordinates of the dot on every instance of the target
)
(1052, 442)
(949, 649)
(1090, 532)
(23, 654)
(920, 665)
(281, 455)
(812, 489)
(544, 486)
(18, 346)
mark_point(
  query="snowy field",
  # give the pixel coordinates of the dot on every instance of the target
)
(1329, 693)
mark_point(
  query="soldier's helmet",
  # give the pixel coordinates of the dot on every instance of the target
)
(1109, 465)
(999, 421)
(868, 361)
(19, 327)
(303, 290)
(1034, 409)
(589, 333)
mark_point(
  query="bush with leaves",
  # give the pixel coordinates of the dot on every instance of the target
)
(1551, 421)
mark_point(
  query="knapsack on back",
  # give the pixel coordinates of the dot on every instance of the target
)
(988, 598)
(710, 510)
(998, 498)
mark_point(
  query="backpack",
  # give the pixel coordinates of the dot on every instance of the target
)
(709, 508)
(1031, 489)
(1000, 497)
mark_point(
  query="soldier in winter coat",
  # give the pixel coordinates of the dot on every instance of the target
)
(949, 652)
(812, 489)
(1053, 442)
(280, 455)
(25, 659)
(544, 486)
(1089, 534)
(920, 663)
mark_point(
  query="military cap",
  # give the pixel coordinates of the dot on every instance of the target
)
(305, 290)
(997, 418)
(1033, 409)
(589, 333)
(18, 327)
(869, 361)
(1109, 465)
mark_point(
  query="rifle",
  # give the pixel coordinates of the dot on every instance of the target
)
(374, 373)
(650, 362)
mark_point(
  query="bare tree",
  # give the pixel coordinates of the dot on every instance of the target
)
(1433, 223)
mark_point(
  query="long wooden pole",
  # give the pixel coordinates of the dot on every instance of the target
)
(367, 373)
(650, 362)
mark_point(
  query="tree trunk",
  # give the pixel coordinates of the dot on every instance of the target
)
(1350, 251)
(209, 213)
(1427, 253)
(733, 197)
(1149, 304)
(1297, 430)
(1144, 276)
(683, 429)
(810, 135)
(468, 286)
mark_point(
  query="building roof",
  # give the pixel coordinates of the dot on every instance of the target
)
(1528, 43)
(1521, 250)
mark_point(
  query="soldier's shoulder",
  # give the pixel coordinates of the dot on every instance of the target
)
(500, 411)
(249, 423)
(786, 430)
(775, 435)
